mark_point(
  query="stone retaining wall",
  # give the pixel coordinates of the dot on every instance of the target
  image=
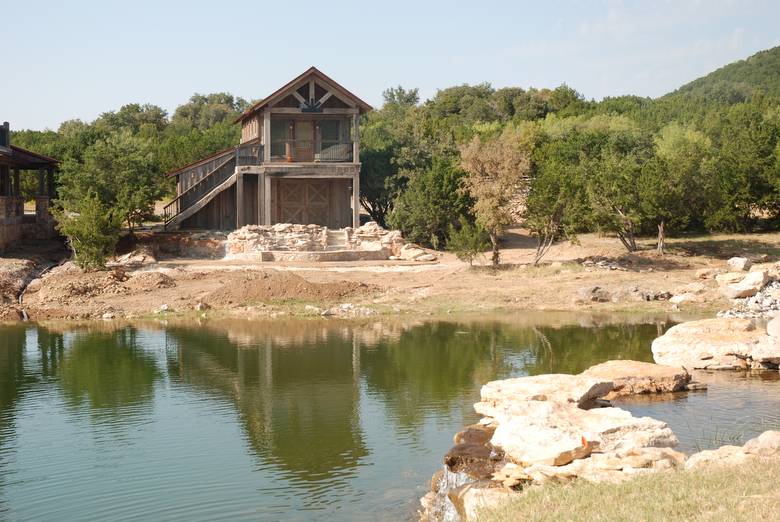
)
(291, 242)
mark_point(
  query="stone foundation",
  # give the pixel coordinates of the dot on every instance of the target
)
(291, 242)
(11, 221)
(15, 226)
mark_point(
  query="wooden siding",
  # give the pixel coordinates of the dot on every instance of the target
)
(251, 129)
(323, 202)
(250, 200)
(218, 214)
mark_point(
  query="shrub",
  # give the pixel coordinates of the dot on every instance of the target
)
(92, 233)
(468, 241)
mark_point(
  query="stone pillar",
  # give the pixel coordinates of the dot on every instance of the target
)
(43, 218)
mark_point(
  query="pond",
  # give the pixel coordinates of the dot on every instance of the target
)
(289, 420)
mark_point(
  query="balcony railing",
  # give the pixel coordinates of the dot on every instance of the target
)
(301, 151)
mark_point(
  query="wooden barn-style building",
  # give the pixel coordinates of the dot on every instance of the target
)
(16, 162)
(298, 162)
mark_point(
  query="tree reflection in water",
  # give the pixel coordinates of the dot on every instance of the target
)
(110, 372)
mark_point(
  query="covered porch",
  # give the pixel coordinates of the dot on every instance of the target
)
(15, 163)
(293, 193)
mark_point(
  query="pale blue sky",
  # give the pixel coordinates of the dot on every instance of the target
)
(76, 59)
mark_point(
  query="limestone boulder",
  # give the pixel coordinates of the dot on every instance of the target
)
(555, 433)
(470, 499)
(739, 263)
(723, 456)
(721, 343)
(765, 446)
(611, 467)
(411, 252)
(637, 377)
(473, 454)
(581, 390)
(749, 286)
(729, 278)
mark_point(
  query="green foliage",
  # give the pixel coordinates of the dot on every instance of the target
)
(612, 178)
(92, 229)
(741, 187)
(121, 171)
(468, 241)
(705, 157)
(431, 203)
(498, 171)
(203, 112)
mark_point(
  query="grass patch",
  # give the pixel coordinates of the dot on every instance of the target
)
(749, 493)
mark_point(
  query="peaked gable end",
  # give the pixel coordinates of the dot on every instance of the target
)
(312, 91)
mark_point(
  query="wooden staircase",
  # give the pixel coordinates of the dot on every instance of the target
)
(216, 173)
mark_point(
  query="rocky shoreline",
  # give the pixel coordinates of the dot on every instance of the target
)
(557, 428)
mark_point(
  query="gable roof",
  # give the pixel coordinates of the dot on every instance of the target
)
(283, 91)
(25, 159)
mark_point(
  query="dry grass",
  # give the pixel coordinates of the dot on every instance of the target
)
(748, 493)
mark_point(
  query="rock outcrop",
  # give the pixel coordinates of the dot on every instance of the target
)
(636, 377)
(765, 302)
(748, 286)
(717, 344)
(765, 446)
(370, 239)
(554, 428)
(740, 263)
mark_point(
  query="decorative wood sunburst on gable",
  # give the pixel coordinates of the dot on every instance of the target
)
(312, 91)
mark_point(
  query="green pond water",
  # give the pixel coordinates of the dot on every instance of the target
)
(288, 420)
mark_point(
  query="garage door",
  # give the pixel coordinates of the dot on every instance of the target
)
(304, 202)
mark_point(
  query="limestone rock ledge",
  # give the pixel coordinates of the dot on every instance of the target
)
(554, 428)
(368, 242)
(718, 344)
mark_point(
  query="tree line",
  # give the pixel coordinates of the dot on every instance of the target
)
(112, 169)
(456, 170)
(473, 160)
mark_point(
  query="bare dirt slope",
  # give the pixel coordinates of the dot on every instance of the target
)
(626, 282)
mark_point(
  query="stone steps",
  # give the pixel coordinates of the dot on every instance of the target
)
(336, 240)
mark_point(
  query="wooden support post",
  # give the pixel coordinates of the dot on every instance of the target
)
(267, 200)
(356, 138)
(17, 188)
(50, 183)
(41, 183)
(239, 199)
(261, 199)
(356, 200)
(267, 136)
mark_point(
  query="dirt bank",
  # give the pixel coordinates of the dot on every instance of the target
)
(18, 267)
(595, 275)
